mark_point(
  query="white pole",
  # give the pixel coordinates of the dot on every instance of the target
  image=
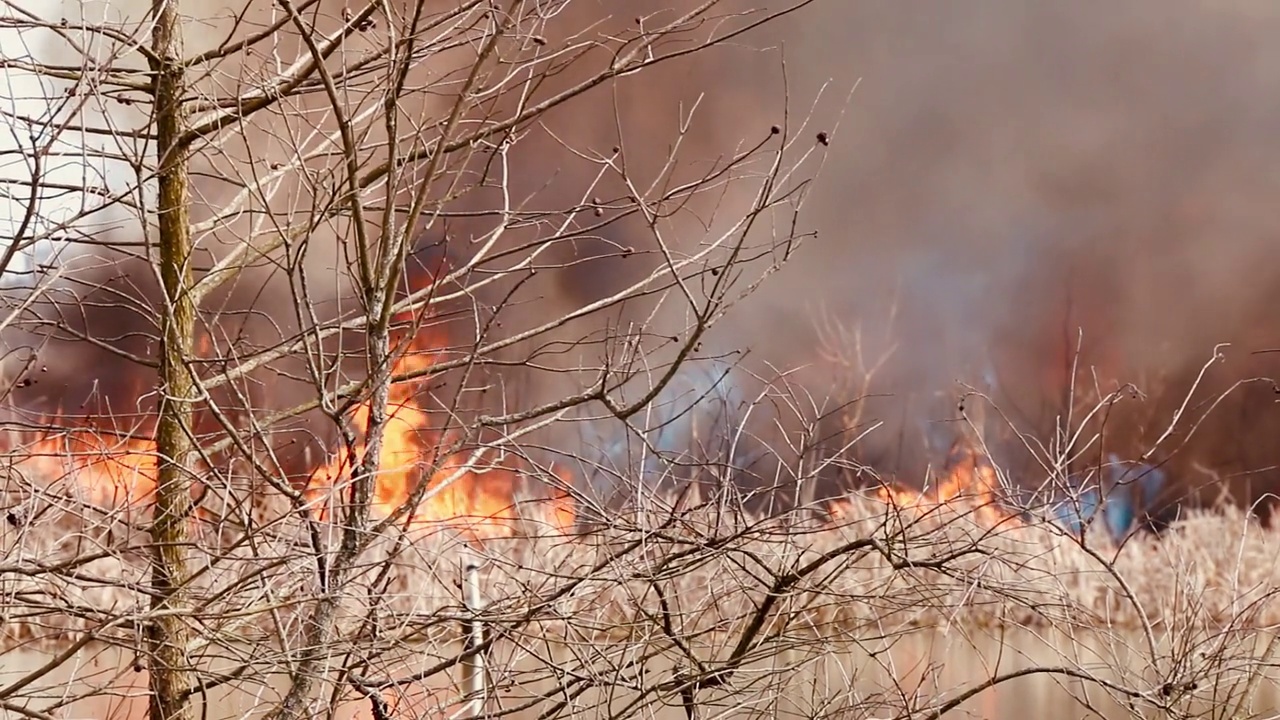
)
(473, 671)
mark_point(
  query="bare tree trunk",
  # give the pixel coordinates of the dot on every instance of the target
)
(167, 633)
(355, 521)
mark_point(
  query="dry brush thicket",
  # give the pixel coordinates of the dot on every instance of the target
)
(339, 278)
(567, 616)
(874, 565)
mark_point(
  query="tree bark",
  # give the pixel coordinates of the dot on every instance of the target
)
(355, 520)
(168, 635)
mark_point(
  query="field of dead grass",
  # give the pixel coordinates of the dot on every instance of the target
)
(701, 573)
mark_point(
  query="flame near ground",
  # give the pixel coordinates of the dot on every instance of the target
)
(486, 493)
(466, 491)
(476, 499)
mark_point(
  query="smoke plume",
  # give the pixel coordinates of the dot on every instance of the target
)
(1041, 202)
(1022, 181)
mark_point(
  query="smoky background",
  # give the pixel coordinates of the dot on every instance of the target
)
(1044, 204)
(1008, 183)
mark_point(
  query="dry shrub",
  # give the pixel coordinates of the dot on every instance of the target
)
(707, 575)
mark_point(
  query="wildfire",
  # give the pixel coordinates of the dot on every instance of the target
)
(110, 468)
(476, 496)
(968, 480)
(112, 471)
(469, 494)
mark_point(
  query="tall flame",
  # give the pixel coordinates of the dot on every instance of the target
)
(465, 490)
(474, 495)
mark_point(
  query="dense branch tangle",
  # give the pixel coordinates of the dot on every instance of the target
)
(311, 211)
(336, 287)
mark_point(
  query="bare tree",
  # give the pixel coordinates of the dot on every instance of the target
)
(310, 153)
(169, 639)
(362, 359)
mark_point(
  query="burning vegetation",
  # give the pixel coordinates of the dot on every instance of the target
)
(697, 427)
(434, 479)
(331, 511)
(425, 477)
(467, 490)
(1032, 539)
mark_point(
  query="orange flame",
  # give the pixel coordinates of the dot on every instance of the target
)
(470, 494)
(115, 472)
(968, 480)
(114, 469)
(466, 493)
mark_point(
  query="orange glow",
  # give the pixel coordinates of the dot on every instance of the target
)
(474, 495)
(479, 497)
(112, 471)
(110, 468)
(563, 513)
(968, 482)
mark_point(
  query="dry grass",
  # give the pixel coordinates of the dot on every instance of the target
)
(701, 574)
